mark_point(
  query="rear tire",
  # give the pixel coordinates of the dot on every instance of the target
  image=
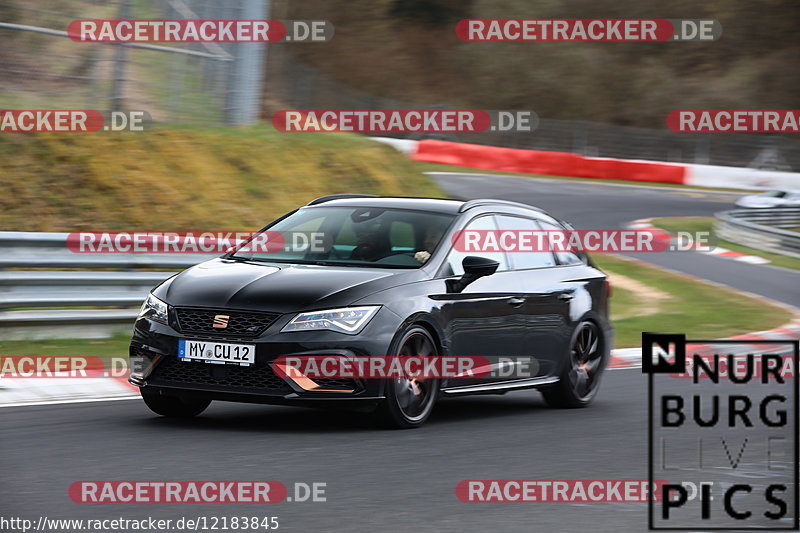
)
(174, 406)
(581, 373)
(409, 402)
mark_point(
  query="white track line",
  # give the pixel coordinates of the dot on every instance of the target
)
(63, 402)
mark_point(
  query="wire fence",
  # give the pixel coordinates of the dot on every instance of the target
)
(200, 83)
(297, 85)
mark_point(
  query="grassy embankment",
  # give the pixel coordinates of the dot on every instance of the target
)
(180, 179)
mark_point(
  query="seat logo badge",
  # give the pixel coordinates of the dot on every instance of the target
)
(221, 321)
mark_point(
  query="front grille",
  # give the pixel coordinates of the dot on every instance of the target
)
(240, 323)
(174, 372)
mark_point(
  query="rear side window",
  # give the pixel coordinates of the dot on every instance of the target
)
(521, 260)
(564, 258)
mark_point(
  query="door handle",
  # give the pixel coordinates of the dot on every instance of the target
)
(516, 301)
(566, 296)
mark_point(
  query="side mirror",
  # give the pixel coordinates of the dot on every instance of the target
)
(474, 267)
(479, 266)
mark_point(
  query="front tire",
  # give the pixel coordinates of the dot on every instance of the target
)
(580, 377)
(174, 406)
(409, 402)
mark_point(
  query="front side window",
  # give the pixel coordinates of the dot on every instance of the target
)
(454, 260)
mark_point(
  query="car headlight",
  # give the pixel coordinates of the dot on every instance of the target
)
(350, 320)
(154, 309)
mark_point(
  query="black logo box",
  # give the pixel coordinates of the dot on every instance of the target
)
(678, 365)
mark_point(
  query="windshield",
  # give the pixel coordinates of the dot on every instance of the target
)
(354, 236)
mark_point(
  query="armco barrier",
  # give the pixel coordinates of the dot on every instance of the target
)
(548, 163)
(761, 229)
(22, 249)
(740, 178)
(98, 303)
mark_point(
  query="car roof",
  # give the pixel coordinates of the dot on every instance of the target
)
(438, 205)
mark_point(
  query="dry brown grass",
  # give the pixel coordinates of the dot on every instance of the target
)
(180, 179)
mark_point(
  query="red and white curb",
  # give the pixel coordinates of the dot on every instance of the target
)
(632, 357)
(17, 392)
(646, 224)
(501, 159)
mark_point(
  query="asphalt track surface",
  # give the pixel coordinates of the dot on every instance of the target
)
(379, 480)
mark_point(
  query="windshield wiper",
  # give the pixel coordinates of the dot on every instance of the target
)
(283, 261)
(254, 259)
(321, 262)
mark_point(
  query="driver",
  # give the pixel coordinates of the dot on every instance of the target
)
(372, 243)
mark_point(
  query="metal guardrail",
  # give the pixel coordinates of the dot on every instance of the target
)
(20, 249)
(100, 302)
(762, 229)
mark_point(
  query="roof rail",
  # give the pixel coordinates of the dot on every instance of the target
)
(330, 197)
(490, 201)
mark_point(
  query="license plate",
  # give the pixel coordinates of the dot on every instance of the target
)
(217, 352)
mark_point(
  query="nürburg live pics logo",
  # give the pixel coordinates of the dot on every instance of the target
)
(723, 432)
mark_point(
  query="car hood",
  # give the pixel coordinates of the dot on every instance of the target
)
(273, 287)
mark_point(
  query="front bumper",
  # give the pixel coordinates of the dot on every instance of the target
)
(156, 367)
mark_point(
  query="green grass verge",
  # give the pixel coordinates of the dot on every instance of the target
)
(112, 347)
(695, 308)
(188, 178)
(692, 224)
